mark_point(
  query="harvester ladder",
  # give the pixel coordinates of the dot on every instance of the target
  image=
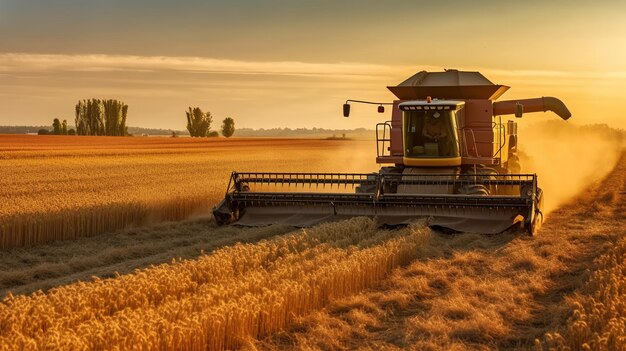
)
(383, 150)
(501, 136)
(465, 147)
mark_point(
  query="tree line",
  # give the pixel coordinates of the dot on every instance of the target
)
(101, 117)
(58, 128)
(108, 117)
(94, 117)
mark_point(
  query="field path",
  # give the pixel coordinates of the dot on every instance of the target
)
(475, 291)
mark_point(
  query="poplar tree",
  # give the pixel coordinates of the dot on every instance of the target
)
(101, 117)
(115, 117)
(90, 117)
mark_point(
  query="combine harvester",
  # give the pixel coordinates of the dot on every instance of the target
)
(454, 161)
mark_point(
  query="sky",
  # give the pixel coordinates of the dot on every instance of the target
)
(279, 63)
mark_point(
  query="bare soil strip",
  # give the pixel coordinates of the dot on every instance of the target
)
(476, 291)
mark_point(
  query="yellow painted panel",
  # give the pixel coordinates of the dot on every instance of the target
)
(432, 162)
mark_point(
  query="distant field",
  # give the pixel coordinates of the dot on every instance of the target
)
(63, 187)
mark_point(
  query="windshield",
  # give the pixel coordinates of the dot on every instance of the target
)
(430, 134)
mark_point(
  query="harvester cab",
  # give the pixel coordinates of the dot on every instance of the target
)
(448, 157)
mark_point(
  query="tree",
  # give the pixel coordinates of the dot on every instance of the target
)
(213, 134)
(71, 132)
(115, 117)
(101, 117)
(198, 122)
(56, 127)
(90, 117)
(228, 127)
(64, 127)
(43, 132)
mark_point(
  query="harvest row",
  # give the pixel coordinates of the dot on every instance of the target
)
(215, 302)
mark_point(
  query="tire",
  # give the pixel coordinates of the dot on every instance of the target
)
(535, 215)
(483, 174)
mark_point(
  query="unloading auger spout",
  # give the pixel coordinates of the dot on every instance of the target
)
(449, 158)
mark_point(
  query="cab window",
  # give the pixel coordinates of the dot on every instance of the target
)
(430, 134)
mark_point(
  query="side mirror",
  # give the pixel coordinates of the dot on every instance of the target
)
(519, 110)
(346, 110)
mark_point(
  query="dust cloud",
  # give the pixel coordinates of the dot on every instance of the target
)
(355, 156)
(567, 158)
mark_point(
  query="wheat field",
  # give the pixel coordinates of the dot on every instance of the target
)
(190, 285)
(562, 290)
(217, 301)
(351, 285)
(60, 188)
(598, 318)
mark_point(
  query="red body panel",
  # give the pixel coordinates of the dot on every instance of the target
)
(396, 131)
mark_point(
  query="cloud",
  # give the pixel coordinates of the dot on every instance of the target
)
(21, 62)
(25, 62)
(554, 74)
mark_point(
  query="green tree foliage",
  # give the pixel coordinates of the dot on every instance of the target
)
(198, 122)
(213, 134)
(90, 117)
(101, 117)
(56, 127)
(115, 117)
(228, 127)
(43, 132)
(71, 132)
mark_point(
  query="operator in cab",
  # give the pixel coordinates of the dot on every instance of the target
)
(435, 130)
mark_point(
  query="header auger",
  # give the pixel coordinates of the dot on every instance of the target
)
(450, 159)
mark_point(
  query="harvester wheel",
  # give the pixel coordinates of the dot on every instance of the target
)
(226, 213)
(535, 218)
(475, 189)
(483, 174)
